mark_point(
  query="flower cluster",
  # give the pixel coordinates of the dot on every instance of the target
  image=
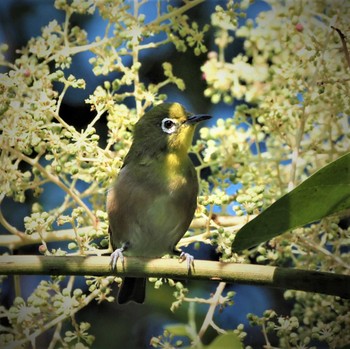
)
(293, 119)
(39, 147)
(44, 305)
(292, 85)
(286, 329)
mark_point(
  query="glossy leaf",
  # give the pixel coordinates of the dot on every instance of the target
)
(324, 193)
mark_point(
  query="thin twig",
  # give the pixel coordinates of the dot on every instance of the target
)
(343, 42)
(56, 336)
(304, 116)
(176, 12)
(55, 179)
(324, 251)
(333, 81)
(54, 322)
(10, 228)
(215, 301)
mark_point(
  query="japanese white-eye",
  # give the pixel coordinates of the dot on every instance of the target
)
(153, 200)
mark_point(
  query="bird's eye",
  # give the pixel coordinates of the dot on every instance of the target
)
(169, 125)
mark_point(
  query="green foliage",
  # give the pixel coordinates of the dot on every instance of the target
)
(228, 340)
(293, 84)
(325, 193)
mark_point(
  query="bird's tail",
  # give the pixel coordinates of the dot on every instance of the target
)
(132, 289)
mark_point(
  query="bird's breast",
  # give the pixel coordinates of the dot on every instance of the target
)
(151, 207)
(178, 172)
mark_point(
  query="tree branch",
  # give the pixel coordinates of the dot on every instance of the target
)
(343, 42)
(18, 239)
(15, 241)
(285, 278)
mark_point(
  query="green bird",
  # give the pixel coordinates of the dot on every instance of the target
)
(153, 200)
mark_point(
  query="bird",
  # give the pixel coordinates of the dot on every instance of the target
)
(154, 197)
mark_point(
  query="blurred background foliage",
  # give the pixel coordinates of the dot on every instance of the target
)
(75, 78)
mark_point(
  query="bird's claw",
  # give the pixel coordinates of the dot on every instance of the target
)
(184, 256)
(118, 253)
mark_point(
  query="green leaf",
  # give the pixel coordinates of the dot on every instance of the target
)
(228, 340)
(324, 193)
(177, 329)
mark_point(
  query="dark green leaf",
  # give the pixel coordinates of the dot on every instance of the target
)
(324, 193)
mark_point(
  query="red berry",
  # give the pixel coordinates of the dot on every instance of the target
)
(299, 27)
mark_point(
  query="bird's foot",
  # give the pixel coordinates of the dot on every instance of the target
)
(117, 254)
(184, 256)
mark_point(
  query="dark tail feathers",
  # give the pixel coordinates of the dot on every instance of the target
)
(132, 289)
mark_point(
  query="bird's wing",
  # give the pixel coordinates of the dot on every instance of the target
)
(144, 213)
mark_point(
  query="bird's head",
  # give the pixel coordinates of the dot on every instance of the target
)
(168, 127)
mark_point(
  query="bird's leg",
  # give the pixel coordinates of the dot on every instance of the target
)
(184, 256)
(118, 253)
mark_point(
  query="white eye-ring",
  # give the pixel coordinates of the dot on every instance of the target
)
(169, 125)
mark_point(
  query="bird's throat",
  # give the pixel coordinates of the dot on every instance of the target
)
(176, 168)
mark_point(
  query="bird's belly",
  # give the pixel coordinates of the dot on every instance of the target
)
(153, 244)
(150, 220)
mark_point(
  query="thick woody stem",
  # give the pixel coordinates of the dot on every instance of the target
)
(285, 278)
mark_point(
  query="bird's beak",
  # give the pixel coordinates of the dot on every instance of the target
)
(193, 119)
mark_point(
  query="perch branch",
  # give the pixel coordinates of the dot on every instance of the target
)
(285, 278)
